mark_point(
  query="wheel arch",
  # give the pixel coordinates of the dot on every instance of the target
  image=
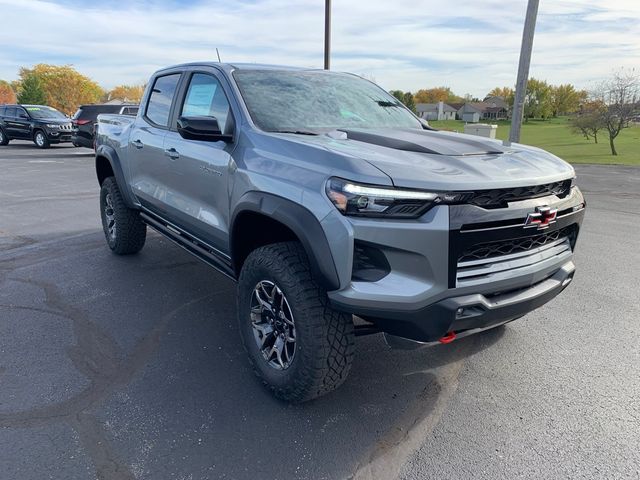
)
(108, 164)
(261, 218)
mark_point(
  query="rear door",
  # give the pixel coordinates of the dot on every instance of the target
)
(147, 160)
(198, 179)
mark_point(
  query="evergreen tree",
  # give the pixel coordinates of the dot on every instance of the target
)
(31, 91)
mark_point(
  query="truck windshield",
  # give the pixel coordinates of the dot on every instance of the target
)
(316, 101)
(45, 113)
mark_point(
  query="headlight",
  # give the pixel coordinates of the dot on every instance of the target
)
(53, 125)
(355, 199)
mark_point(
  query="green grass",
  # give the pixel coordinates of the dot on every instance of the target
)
(556, 136)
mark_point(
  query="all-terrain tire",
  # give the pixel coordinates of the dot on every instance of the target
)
(324, 337)
(41, 140)
(123, 228)
(4, 140)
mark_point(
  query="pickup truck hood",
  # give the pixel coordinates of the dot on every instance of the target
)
(444, 160)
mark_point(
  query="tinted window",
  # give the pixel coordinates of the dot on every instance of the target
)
(319, 100)
(205, 97)
(160, 100)
(11, 112)
(2, 109)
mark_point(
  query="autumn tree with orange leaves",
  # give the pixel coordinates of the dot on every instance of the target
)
(127, 93)
(7, 95)
(65, 89)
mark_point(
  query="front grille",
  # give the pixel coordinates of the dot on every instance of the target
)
(499, 198)
(515, 245)
(502, 259)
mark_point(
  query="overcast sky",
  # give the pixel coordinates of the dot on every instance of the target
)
(469, 45)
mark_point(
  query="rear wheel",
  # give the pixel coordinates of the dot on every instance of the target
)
(41, 140)
(123, 228)
(298, 345)
(4, 140)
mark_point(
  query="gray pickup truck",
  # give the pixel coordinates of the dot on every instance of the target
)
(337, 211)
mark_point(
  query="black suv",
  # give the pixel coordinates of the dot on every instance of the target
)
(85, 118)
(44, 125)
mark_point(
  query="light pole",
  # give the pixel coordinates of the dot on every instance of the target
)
(523, 70)
(327, 33)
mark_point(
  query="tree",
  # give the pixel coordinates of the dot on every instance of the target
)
(435, 95)
(566, 99)
(399, 94)
(505, 93)
(127, 93)
(31, 90)
(7, 95)
(538, 100)
(405, 97)
(621, 96)
(409, 101)
(64, 88)
(589, 121)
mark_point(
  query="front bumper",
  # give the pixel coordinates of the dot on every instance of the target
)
(471, 313)
(431, 276)
(58, 136)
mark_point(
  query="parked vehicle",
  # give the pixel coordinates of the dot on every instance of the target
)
(325, 198)
(39, 123)
(84, 121)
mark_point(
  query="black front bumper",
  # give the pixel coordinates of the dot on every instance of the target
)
(58, 136)
(468, 313)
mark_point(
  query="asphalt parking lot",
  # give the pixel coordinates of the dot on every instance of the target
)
(131, 367)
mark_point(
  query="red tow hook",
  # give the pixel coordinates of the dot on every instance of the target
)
(448, 338)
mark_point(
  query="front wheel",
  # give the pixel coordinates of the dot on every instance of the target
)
(41, 140)
(123, 228)
(298, 345)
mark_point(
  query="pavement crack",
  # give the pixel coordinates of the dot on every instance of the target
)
(97, 356)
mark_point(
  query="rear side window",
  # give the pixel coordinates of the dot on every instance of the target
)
(2, 109)
(11, 112)
(159, 105)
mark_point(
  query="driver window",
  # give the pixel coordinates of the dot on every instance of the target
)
(206, 98)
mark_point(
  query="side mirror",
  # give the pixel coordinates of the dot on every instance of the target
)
(201, 128)
(23, 115)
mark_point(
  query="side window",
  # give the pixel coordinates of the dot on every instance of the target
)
(160, 99)
(21, 112)
(205, 97)
(2, 110)
(11, 112)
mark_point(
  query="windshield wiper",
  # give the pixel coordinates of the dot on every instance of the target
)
(297, 132)
(385, 103)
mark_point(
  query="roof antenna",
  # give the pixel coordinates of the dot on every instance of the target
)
(219, 61)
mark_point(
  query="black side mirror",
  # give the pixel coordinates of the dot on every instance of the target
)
(23, 115)
(202, 128)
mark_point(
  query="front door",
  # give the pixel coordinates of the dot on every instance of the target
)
(200, 169)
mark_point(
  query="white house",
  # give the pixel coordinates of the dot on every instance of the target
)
(436, 111)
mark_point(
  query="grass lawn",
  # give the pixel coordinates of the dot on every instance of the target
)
(555, 136)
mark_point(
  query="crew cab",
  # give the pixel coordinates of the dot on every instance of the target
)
(337, 211)
(42, 124)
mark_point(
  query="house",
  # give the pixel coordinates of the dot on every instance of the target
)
(492, 108)
(436, 111)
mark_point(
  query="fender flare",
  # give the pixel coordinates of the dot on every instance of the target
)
(302, 223)
(112, 157)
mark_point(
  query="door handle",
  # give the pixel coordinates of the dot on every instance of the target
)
(137, 143)
(172, 153)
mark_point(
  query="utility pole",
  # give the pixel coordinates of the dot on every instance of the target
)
(327, 33)
(523, 70)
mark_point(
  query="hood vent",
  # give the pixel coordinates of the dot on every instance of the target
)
(423, 141)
